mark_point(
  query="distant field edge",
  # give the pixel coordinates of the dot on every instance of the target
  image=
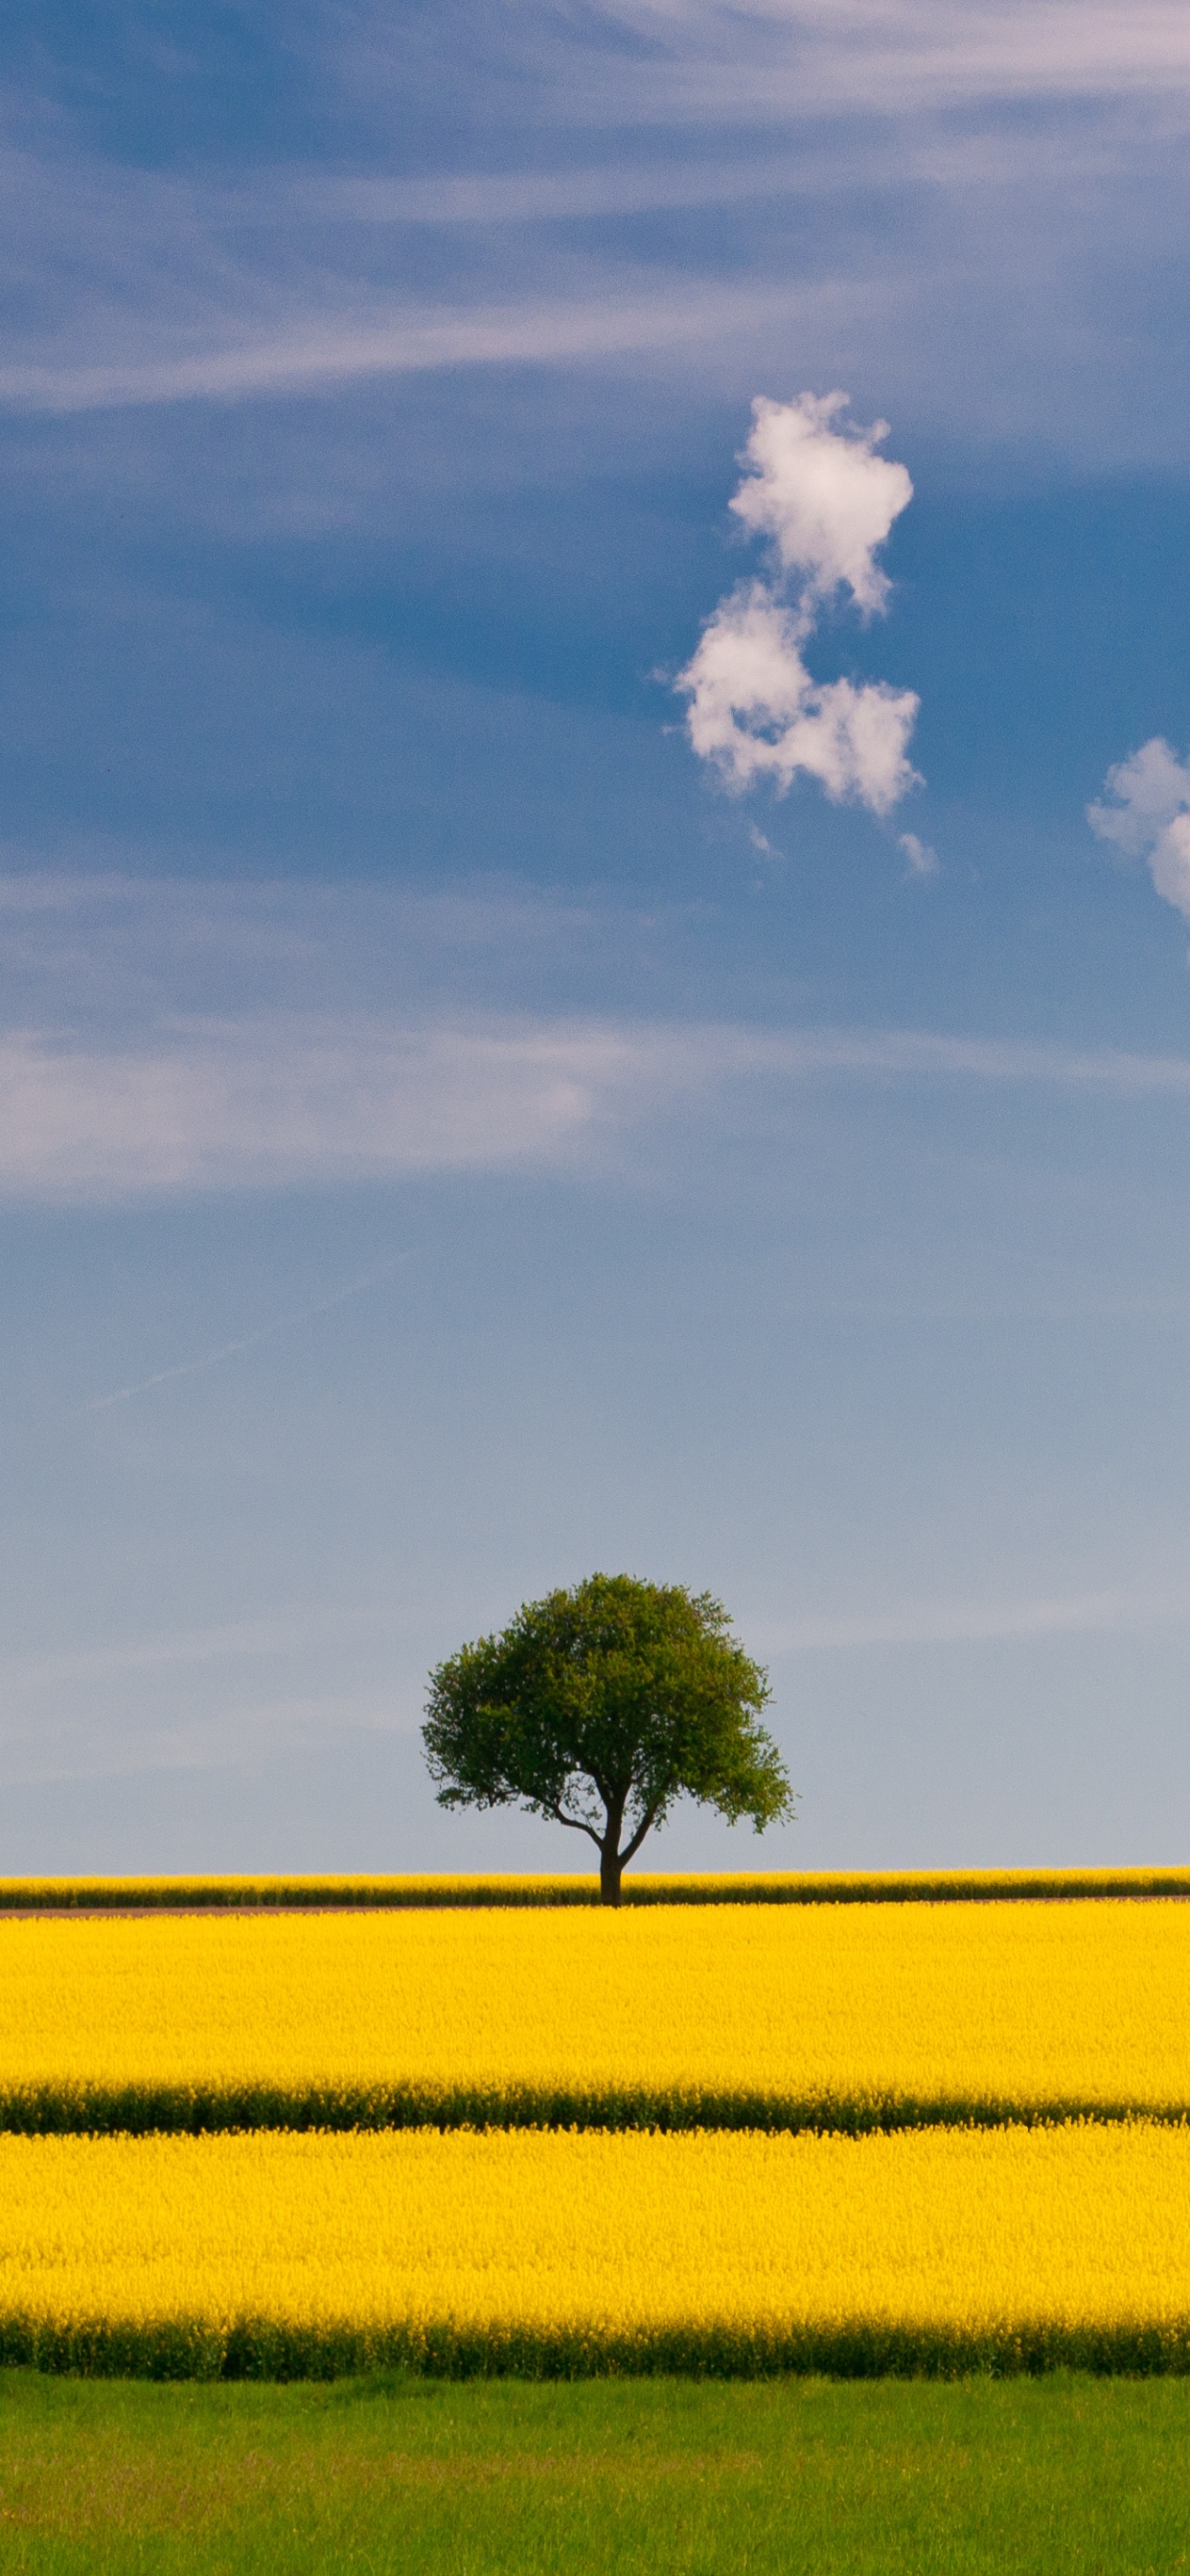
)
(748, 1887)
(66, 2109)
(263, 2348)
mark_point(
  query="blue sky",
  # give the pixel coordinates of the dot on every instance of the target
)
(457, 1134)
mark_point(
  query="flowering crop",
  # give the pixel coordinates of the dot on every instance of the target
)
(934, 2250)
(731, 2016)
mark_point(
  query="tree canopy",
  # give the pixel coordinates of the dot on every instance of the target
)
(598, 1707)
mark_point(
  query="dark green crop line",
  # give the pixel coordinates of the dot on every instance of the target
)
(757, 1887)
(194, 2110)
(255, 2347)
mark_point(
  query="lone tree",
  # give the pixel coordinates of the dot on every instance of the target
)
(598, 1707)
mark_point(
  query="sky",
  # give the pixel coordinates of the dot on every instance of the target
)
(594, 905)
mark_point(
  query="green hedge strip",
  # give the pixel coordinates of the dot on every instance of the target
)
(259, 2347)
(193, 2110)
(750, 1887)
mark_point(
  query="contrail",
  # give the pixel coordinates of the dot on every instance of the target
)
(265, 1333)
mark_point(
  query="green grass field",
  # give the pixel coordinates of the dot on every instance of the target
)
(654, 2478)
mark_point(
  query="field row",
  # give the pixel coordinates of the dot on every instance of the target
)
(739, 2017)
(937, 2251)
(647, 1887)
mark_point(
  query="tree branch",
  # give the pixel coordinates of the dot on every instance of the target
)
(631, 1849)
(576, 1826)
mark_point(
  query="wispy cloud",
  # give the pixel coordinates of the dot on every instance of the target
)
(998, 158)
(240, 283)
(974, 1622)
(226, 1691)
(254, 1105)
(817, 488)
(289, 1632)
(809, 56)
(365, 1036)
(919, 1054)
(292, 1103)
(323, 352)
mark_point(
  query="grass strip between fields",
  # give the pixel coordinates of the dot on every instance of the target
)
(747, 1887)
(199, 2110)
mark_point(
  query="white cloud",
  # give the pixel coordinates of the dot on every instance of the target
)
(1150, 817)
(827, 501)
(923, 861)
(822, 494)
(755, 711)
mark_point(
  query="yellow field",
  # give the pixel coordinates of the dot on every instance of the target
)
(542, 2249)
(930, 2249)
(726, 2015)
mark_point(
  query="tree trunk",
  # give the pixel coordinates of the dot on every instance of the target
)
(611, 1871)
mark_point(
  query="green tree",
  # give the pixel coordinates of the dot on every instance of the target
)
(599, 1707)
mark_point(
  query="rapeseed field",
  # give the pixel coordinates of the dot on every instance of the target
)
(933, 2250)
(753, 2017)
(732, 2139)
